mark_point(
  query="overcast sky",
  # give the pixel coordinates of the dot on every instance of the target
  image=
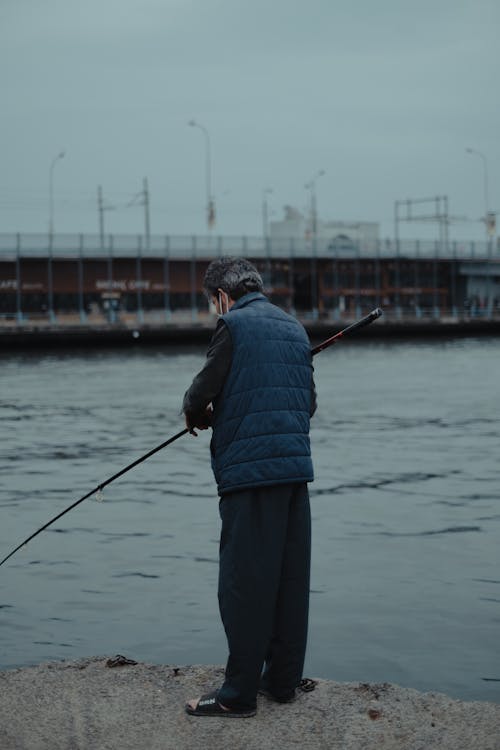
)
(384, 96)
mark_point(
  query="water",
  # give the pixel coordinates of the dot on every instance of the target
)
(406, 514)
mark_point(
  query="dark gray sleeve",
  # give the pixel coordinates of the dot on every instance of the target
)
(209, 382)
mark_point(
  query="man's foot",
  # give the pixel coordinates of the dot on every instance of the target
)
(289, 698)
(208, 705)
(305, 685)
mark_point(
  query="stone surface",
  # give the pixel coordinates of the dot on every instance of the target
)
(86, 705)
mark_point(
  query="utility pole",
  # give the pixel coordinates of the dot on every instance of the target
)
(101, 208)
(488, 224)
(265, 213)
(142, 199)
(311, 185)
(145, 192)
(53, 163)
(434, 210)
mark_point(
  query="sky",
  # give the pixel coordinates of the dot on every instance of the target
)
(383, 96)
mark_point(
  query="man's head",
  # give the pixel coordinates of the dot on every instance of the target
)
(234, 277)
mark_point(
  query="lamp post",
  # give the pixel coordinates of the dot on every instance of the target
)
(53, 163)
(50, 281)
(485, 186)
(265, 233)
(311, 185)
(208, 174)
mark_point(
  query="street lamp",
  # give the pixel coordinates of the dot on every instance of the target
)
(485, 184)
(311, 185)
(50, 284)
(265, 233)
(51, 193)
(208, 172)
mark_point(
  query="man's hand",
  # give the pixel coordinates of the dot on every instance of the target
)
(199, 421)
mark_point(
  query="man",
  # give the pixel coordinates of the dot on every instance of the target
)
(256, 390)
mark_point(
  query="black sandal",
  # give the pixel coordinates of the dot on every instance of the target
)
(307, 685)
(208, 705)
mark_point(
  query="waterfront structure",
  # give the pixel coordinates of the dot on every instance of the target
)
(341, 235)
(75, 278)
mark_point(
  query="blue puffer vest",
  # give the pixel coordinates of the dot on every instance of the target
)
(261, 418)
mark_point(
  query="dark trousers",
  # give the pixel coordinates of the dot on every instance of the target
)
(265, 553)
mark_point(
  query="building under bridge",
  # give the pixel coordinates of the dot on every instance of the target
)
(75, 277)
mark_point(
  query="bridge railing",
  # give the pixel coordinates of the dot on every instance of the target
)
(208, 246)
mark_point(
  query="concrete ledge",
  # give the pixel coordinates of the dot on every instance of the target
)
(86, 705)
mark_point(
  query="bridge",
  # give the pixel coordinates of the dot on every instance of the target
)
(133, 281)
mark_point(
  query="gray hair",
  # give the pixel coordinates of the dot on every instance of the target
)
(235, 276)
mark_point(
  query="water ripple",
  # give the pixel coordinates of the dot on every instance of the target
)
(432, 532)
(409, 477)
(132, 574)
(486, 580)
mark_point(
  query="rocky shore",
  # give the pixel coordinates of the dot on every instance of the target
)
(92, 705)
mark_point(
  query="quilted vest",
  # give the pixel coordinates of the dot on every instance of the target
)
(261, 417)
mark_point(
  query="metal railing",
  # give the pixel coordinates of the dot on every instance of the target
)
(319, 278)
(204, 246)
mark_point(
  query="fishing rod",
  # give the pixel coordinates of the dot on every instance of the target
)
(350, 329)
(98, 489)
